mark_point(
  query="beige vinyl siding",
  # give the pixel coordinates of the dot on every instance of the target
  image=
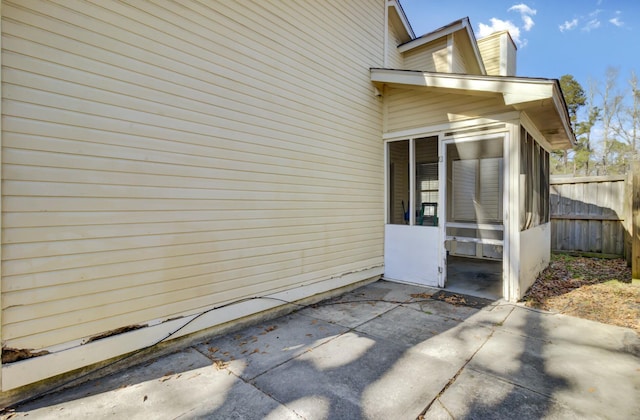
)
(499, 54)
(161, 158)
(490, 51)
(409, 108)
(433, 56)
(459, 63)
(395, 59)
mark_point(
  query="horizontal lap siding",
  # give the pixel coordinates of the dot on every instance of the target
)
(394, 57)
(160, 158)
(490, 52)
(412, 108)
(430, 57)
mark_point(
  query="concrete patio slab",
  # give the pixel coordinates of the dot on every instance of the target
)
(348, 310)
(407, 326)
(252, 351)
(181, 384)
(477, 395)
(390, 291)
(585, 366)
(551, 327)
(359, 376)
(378, 353)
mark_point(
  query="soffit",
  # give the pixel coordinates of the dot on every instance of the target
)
(541, 99)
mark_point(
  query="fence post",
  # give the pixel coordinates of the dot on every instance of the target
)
(635, 218)
(627, 209)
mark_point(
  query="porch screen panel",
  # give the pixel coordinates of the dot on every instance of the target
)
(427, 184)
(490, 190)
(398, 153)
(464, 189)
(534, 182)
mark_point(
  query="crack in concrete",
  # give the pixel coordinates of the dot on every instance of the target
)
(454, 377)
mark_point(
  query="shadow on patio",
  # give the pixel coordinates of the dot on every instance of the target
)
(386, 350)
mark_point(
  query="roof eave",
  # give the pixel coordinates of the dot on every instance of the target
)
(458, 25)
(395, 4)
(525, 94)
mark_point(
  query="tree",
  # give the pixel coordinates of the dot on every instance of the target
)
(606, 122)
(582, 161)
(611, 102)
(628, 122)
(575, 98)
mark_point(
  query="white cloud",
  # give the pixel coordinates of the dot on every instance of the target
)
(501, 25)
(496, 24)
(592, 24)
(616, 21)
(525, 13)
(568, 25)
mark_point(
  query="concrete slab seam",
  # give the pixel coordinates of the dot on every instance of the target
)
(517, 385)
(453, 379)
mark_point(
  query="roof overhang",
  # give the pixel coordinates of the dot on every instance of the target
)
(541, 99)
(397, 12)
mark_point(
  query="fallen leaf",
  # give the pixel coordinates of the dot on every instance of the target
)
(220, 364)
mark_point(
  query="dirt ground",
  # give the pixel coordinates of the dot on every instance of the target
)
(591, 288)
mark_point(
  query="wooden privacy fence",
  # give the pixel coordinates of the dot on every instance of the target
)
(591, 214)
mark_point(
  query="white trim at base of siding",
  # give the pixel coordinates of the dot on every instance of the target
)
(28, 371)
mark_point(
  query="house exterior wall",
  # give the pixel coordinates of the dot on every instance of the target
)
(533, 259)
(490, 51)
(395, 59)
(411, 108)
(160, 159)
(433, 56)
(459, 63)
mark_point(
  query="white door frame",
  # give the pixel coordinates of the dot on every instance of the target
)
(507, 185)
(410, 254)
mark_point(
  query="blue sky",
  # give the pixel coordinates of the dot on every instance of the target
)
(554, 37)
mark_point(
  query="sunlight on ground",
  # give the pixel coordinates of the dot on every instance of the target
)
(354, 345)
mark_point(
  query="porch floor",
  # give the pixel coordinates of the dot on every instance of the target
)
(475, 277)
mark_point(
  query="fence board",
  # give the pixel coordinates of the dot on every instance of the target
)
(588, 214)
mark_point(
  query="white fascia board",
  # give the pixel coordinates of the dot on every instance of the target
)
(402, 16)
(476, 49)
(514, 90)
(462, 24)
(440, 33)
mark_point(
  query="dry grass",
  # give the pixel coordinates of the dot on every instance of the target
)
(591, 288)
